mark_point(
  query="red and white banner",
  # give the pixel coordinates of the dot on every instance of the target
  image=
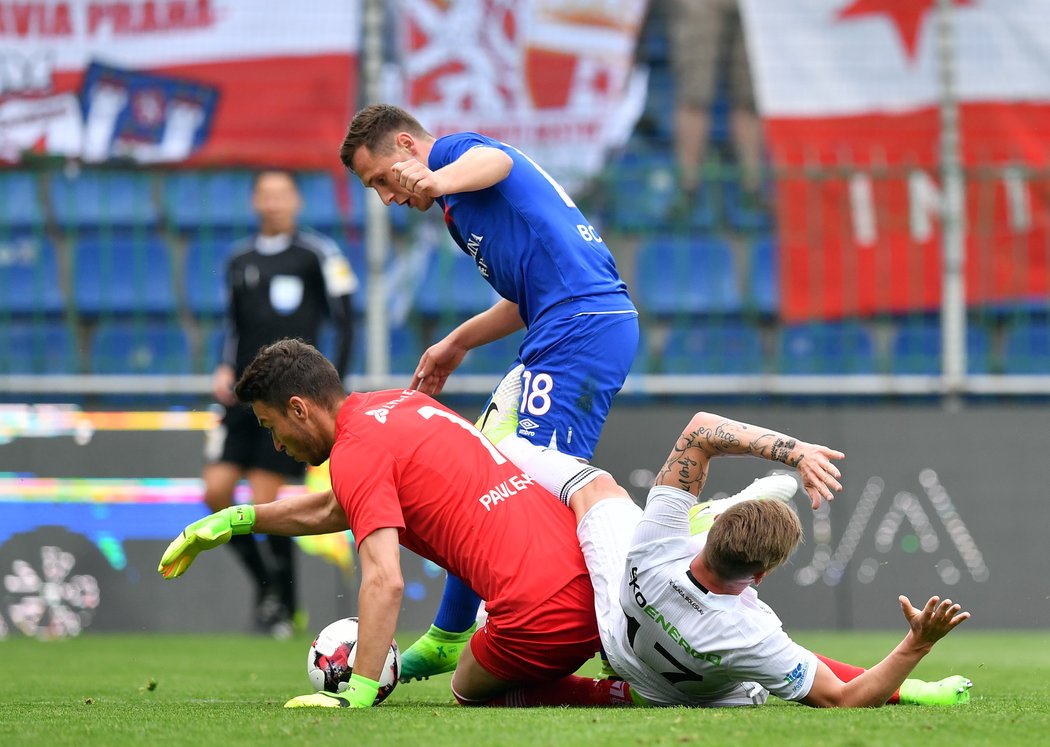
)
(551, 77)
(224, 82)
(849, 91)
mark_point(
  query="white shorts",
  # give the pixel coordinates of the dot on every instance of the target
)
(605, 534)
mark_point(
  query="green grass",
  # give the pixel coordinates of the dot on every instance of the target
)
(228, 690)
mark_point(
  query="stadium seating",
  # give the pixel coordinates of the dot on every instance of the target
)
(320, 202)
(140, 347)
(196, 199)
(452, 287)
(204, 274)
(494, 358)
(405, 348)
(741, 215)
(712, 347)
(20, 206)
(684, 276)
(122, 276)
(103, 199)
(826, 348)
(1026, 346)
(916, 348)
(763, 277)
(38, 346)
(642, 193)
(29, 279)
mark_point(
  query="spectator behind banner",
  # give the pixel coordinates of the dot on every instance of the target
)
(284, 281)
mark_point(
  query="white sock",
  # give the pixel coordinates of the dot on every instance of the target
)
(559, 473)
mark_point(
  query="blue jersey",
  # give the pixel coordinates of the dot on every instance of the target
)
(529, 240)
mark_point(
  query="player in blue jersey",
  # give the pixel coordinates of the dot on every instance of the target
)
(556, 278)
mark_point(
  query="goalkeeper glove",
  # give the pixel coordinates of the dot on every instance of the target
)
(360, 693)
(204, 534)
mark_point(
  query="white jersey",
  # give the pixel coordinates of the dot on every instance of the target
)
(674, 641)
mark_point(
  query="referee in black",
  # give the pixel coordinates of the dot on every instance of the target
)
(282, 282)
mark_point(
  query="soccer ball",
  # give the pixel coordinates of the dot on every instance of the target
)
(330, 661)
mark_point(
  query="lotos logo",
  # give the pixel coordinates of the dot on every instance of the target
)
(379, 414)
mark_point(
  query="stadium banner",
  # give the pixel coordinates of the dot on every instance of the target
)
(849, 93)
(237, 82)
(553, 78)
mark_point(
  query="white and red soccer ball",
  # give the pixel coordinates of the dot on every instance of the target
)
(330, 661)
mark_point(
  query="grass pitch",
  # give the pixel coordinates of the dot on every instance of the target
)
(112, 690)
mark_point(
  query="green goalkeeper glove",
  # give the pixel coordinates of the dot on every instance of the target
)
(360, 693)
(204, 534)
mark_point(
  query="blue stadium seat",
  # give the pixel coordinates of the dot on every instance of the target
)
(405, 348)
(111, 199)
(452, 287)
(681, 276)
(38, 347)
(642, 192)
(494, 358)
(763, 282)
(209, 198)
(827, 348)
(29, 276)
(140, 347)
(1026, 346)
(712, 347)
(204, 277)
(21, 206)
(741, 215)
(320, 202)
(123, 276)
(917, 348)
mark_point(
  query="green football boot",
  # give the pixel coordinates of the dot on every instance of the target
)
(777, 487)
(436, 652)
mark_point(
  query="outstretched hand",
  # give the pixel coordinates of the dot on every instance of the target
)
(437, 362)
(820, 478)
(934, 621)
(204, 534)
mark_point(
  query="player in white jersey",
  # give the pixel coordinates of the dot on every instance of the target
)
(681, 621)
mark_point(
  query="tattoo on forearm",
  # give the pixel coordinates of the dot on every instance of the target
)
(782, 448)
(725, 439)
(684, 470)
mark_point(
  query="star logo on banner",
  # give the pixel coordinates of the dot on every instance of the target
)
(907, 16)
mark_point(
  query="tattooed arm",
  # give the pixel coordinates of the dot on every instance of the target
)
(708, 436)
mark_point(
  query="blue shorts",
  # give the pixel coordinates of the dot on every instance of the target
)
(573, 369)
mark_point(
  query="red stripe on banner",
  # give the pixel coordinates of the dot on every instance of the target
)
(281, 111)
(851, 244)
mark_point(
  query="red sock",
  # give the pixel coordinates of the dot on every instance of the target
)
(847, 672)
(570, 691)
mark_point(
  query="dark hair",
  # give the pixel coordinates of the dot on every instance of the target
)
(750, 537)
(258, 176)
(286, 369)
(371, 128)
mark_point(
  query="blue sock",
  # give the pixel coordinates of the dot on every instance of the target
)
(459, 606)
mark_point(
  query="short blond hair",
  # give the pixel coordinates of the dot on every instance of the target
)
(750, 537)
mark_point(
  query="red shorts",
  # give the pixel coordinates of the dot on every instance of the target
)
(551, 642)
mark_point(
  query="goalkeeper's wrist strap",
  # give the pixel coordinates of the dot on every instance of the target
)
(361, 691)
(242, 518)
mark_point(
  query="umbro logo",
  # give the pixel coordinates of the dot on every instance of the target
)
(527, 424)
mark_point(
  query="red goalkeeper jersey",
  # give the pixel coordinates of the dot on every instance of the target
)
(403, 460)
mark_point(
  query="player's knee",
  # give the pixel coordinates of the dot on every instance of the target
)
(601, 488)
